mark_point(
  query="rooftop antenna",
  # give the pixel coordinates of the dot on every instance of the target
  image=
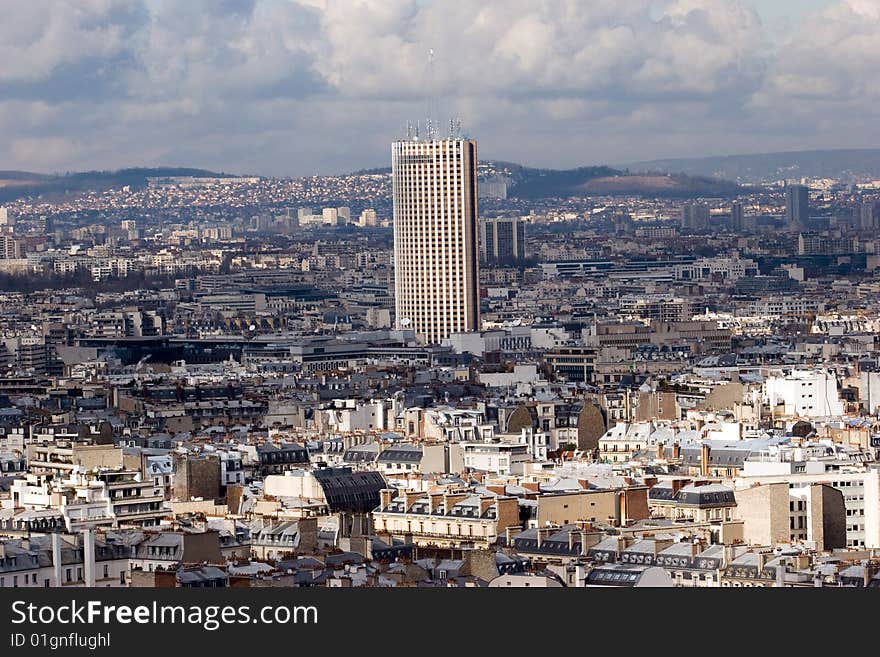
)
(431, 127)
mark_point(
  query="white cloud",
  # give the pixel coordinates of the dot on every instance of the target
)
(293, 86)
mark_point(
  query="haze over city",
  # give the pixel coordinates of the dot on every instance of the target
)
(284, 87)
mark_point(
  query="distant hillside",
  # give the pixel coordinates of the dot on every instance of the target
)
(604, 181)
(21, 184)
(764, 167)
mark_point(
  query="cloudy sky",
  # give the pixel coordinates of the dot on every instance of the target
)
(293, 87)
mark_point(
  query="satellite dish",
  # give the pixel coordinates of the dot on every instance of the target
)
(405, 322)
(252, 327)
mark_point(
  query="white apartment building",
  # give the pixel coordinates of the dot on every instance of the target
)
(803, 393)
(728, 269)
(497, 458)
(782, 306)
(435, 237)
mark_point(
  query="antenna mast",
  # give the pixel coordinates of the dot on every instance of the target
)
(431, 126)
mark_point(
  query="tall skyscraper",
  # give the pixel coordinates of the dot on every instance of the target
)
(695, 216)
(9, 248)
(7, 223)
(436, 269)
(866, 215)
(797, 206)
(502, 239)
(736, 218)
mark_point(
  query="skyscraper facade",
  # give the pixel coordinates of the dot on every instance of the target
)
(695, 216)
(436, 271)
(797, 206)
(867, 215)
(737, 222)
(502, 240)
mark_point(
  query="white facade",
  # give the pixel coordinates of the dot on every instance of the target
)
(497, 458)
(294, 483)
(804, 394)
(435, 237)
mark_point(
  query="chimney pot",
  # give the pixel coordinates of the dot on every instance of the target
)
(704, 460)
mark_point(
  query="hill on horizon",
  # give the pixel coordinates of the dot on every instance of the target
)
(20, 184)
(529, 183)
(841, 163)
(526, 183)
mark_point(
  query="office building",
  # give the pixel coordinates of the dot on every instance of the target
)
(736, 218)
(9, 248)
(494, 188)
(435, 237)
(695, 216)
(740, 222)
(866, 218)
(502, 240)
(797, 206)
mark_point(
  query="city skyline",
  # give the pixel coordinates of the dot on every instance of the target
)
(295, 88)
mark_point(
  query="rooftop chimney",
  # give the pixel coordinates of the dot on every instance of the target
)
(435, 500)
(409, 498)
(870, 571)
(574, 537)
(386, 495)
(728, 556)
(661, 451)
(56, 557)
(541, 534)
(89, 556)
(676, 451)
(781, 569)
(704, 460)
(451, 499)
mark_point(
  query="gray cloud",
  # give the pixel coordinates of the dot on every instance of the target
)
(299, 86)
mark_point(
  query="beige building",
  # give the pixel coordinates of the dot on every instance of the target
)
(61, 457)
(775, 514)
(435, 237)
(700, 501)
(618, 507)
(445, 519)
